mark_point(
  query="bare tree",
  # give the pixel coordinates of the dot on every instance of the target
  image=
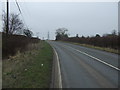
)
(15, 24)
(61, 33)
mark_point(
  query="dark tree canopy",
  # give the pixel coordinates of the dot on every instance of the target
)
(28, 33)
(97, 35)
(77, 35)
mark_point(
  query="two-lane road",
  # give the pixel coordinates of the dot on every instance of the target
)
(83, 67)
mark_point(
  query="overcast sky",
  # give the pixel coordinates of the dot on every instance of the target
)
(83, 18)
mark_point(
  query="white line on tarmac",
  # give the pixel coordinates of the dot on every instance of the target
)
(59, 71)
(96, 59)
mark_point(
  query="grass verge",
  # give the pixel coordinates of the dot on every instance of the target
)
(31, 69)
(96, 47)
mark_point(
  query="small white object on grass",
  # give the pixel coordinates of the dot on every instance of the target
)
(25, 69)
(41, 64)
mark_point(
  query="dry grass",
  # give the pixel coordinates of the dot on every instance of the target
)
(96, 47)
(99, 48)
(14, 63)
(24, 69)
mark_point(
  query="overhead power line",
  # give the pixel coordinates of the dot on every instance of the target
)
(20, 12)
(18, 6)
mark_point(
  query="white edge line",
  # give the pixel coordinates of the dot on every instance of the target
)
(96, 59)
(59, 70)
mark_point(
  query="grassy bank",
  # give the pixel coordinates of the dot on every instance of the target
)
(96, 47)
(31, 69)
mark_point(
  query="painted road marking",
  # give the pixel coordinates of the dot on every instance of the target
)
(59, 71)
(96, 58)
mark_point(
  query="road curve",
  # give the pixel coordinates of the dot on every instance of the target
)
(81, 69)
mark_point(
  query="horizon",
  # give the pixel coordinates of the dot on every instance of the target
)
(93, 17)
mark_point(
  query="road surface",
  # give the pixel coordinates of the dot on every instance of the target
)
(83, 67)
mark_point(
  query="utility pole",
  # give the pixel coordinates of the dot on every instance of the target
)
(48, 35)
(7, 27)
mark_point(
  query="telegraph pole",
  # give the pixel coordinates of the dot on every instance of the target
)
(48, 35)
(7, 27)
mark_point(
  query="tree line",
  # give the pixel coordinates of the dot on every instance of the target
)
(106, 40)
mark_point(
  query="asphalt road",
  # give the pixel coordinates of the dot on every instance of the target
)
(83, 67)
